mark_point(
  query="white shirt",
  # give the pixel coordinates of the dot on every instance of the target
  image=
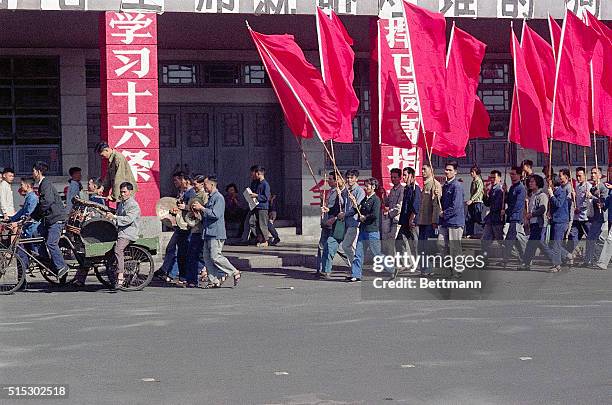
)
(6, 199)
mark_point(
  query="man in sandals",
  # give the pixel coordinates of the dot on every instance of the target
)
(126, 218)
(213, 234)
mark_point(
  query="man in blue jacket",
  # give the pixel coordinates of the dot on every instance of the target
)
(214, 236)
(515, 200)
(560, 218)
(452, 215)
(493, 222)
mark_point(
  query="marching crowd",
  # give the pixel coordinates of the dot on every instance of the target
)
(545, 212)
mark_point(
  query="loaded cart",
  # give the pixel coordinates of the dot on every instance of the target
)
(87, 243)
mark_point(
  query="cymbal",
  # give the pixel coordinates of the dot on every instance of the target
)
(163, 207)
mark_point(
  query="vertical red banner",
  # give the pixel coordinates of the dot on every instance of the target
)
(129, 97)
(395, 112)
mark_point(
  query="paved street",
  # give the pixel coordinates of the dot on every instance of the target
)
(318, 343)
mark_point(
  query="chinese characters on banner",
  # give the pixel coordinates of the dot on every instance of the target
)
(515, 8)
(129, 95)
(275, 6)
(398, 118)
(459, 8)
(216, 6)
(576, 6)
(339, 6)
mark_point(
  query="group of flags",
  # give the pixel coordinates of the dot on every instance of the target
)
(322, 103)
(560, 93)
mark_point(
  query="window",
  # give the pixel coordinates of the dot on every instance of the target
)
(30, 127)
(213, 74)
(254, 74)
(92, 74)
(179, 74)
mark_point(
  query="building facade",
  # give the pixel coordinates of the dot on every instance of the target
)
(217, 111)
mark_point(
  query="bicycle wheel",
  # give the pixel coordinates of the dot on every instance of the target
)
(70, 260)
(138, 273)
(139, 268)
(12, 273)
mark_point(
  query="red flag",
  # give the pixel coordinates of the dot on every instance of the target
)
(427, 42)
(527, 126)
(571, 109)
(304, 98)
(465, 55)
(390, 112)
(555, 35)
(601, 83)
(337, 59)
(479, 127)
(541, 67)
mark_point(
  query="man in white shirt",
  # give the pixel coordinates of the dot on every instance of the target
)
(6, 193)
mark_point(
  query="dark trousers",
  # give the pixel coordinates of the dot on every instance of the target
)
(580, 229)
(195, 263)
(537, 239)
(52, 234)
(272, 230)
(474, 216)
(258, 222)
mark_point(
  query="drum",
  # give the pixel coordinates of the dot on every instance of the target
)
(98, 230)
(87, 220)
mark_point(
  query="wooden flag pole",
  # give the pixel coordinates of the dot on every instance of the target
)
(429, 153)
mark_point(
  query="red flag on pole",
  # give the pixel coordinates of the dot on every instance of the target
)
(304, 98)
(540, 62)
(337, 59)
(479, 127)
(570, 108)
(555, 35)
(427, 42)
(601, 79)
(527, 125)
(465, 55)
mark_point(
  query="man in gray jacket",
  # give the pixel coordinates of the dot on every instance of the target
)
(126, 218)
(214, 236)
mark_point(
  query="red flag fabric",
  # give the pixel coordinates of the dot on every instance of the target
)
(427, 41)
(571, 108)
(555, 35)
(540, 62)
(306, 101)
(337, 60)
(527, 126)
(479, 127)
(465, 56)
(601, 83)
(390, 112)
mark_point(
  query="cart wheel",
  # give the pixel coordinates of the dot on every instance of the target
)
(139, 269)
(12, 272)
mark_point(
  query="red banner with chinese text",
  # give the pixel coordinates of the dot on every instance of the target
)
(129, 97)
(395, 112)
